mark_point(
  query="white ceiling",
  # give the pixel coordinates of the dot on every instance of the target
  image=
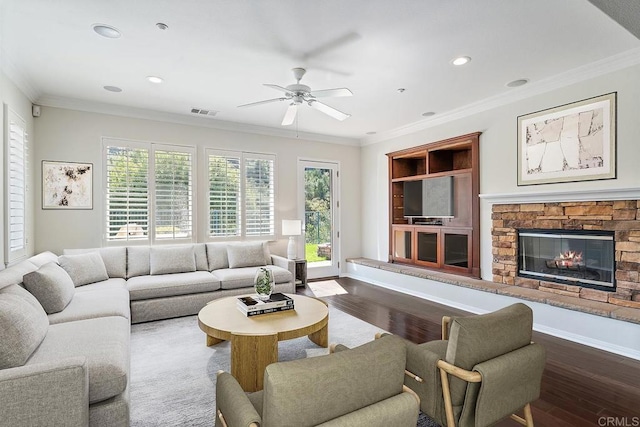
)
(217, 54)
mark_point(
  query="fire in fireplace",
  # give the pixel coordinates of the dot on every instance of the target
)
(573, 257)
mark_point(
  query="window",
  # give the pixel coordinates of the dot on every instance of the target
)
(241, 194)
(149, 192)
(16, 188)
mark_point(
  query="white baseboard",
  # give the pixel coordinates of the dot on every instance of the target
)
(604, 333)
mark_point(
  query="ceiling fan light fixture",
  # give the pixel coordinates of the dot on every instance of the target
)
(461, 60)
(106, 31)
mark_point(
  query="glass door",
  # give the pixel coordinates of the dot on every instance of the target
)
(318, 189)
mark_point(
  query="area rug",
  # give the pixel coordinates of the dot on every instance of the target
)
(173, 372)
(326, 288)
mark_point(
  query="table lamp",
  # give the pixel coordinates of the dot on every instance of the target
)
(291, 228)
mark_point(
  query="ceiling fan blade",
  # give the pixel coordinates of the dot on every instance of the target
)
(290, 115)
(280, 88)
(332, 45)
(330, 111)
(342, 91)
(262, 102)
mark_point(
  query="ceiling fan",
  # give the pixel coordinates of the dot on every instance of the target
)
(297, 94)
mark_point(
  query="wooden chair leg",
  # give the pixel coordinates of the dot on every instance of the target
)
(528, 417)
(446, 394)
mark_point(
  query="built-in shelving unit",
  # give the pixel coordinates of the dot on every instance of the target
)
(449, 244)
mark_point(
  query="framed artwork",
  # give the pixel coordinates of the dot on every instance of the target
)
(67, 185)
(573, 142)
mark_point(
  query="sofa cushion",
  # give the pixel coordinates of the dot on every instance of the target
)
(105, 344)
(101, 299)
(246, 254)
(22, 326)
(165, 285)
(234, 278)
(138, 261)
(115, 259)
(13, 275)
(200, 251)
(84, 268)
(51, 285)
(267, 253)
(172, 259)
(217, 256)
(43, 258)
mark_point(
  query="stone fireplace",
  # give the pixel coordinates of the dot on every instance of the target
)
(587, 250)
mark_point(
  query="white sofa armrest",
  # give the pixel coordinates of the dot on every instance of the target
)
(46, 394)
(285, 263)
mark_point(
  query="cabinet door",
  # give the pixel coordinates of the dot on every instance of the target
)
(427, 244)
(402, 244)
(456, 250)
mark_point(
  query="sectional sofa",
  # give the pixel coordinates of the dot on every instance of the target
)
(65, 321)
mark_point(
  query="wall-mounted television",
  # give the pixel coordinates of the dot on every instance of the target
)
(429, 198)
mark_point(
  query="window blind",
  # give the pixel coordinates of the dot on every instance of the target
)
(173, 194)
(259, 195)
(16, 190)
(127, 170)
(224, 194)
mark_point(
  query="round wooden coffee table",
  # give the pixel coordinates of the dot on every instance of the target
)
(254, 340)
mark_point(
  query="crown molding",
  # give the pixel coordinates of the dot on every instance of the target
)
(18, 78)
(564, 196)
(141, 113)
(585, 72)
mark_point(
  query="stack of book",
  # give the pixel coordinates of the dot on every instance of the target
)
(252, 306)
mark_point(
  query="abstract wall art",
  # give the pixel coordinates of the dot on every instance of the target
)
(67, 185)
(573, 142)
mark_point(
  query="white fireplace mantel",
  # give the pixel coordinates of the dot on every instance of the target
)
(563, 196)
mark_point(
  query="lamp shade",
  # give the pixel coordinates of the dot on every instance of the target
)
(291, 227)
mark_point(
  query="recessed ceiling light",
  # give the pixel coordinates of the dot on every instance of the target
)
(428, 114)
(518, 82)
(162, 26)
(112, 88)
(400, 90)
(371, 133)
(461, 60)
(106, 31)
(155, 79)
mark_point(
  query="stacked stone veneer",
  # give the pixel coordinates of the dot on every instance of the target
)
(622, 217)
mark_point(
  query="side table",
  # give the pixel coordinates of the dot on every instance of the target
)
(301, 272)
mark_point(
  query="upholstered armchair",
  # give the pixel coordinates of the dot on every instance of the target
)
(362, 386)
(484, 369)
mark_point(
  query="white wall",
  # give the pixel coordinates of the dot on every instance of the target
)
(16, 101)
(69, 135)
(498, 152)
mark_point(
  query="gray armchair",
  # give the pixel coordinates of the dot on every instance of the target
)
(484, 369)
(357, 387)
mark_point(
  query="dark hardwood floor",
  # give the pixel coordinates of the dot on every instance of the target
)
(581, 385)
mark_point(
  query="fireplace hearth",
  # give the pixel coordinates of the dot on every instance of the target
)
(571, 257)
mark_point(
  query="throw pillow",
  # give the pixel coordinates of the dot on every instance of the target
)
(22, 329)
(217, 256)
(138, 261)
(52, 286)
(246, 254)
(172, 259)
(267, 253)
(84, 268)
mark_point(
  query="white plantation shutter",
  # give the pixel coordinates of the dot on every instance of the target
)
(127, 169)
(16, 189)
(173, 193)
(259, 195)
(224, 193)
(241, 194)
